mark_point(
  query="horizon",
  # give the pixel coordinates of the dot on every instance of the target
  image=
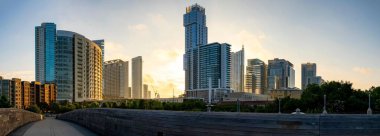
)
(339, 36)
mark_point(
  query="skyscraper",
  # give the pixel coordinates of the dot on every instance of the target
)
(100, 43)
(79, 68)
(237, 71)
(256, 77)
(214, 63)
(88, 70)
(65, 65)
(309, 75)
(146, 91)
(281, 74)
(45, 39)
(137, 78)
(195, 35)
(116, 79)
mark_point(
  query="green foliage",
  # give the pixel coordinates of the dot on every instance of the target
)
(4, 102)
(34, 108)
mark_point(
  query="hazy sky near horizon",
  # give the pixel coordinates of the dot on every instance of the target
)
(341, 36)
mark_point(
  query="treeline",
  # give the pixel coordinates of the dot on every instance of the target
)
(341, 98)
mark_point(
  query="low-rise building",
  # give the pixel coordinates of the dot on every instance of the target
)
(285, 92)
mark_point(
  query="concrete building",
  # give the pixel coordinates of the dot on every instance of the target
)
(237, 71)
(25, 94)
(35, 90)
(79, 69)
(45, 39)
(294, 93)
(214, 63)
(256, 76)
(309, 75)
(88, 70)
(149, 95)
(16, 93)
(137, 79)
(145, 86)
(194, 21)
(115, 75)
(244, 96)
(100, 43)
(281, 74)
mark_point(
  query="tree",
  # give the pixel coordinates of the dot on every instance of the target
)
(35, 109)
(4, 102)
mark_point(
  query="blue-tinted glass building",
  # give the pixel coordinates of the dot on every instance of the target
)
(194, 22)
(45, 40)
(64, 65)
(214, 63)
(281, 74)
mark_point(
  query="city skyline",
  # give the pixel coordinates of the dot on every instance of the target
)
(337, 40)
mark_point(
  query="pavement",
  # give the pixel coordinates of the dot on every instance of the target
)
(52, 127)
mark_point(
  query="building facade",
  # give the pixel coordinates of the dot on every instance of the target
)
(309, 75)
(194, 21)
(116, 81)
(145, 86)
(137, 79)
(281, 74)
(64, 77)
(16, 93)
(214, 64)
(25, 94)
(88, 70)
(45, 39)
(237, 71)
(256, 76)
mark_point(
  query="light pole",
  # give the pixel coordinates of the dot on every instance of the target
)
(279, 105)
(369, 111)
(324, 104)
(238, 105)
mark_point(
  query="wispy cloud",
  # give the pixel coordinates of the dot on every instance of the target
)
(26, 75)
(363, 70)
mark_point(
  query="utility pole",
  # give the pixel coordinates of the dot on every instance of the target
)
(369, 111)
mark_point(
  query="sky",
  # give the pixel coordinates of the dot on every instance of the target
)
(341, 36)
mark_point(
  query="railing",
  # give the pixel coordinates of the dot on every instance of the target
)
(11, 119)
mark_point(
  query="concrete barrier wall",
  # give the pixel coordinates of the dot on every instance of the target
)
(148, 122)
(11, 119)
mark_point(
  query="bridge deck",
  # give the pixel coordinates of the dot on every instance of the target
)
(52, 127)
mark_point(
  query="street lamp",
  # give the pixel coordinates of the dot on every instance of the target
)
(369, 111)
(324, 105)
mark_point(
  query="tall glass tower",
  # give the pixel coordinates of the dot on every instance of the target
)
(45, 39)
(281, 74)
(194, 22)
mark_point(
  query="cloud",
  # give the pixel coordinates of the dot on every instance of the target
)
(27, 75)
(114, 50)
(138, 27)
(253, 44)
(363, 70)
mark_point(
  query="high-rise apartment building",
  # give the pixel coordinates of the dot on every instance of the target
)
(45, 39)
(79, 69)
(237, 71)
(100, 43)
(281, 74)
(115, 74)
(309, 75)
(195, 36)
(88, 70)
(137, 79)
(214, 63)
(65, 65)
(256, 76)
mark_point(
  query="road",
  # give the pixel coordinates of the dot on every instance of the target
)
(52, 127)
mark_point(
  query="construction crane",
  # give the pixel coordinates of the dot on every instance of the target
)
(156, 94)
